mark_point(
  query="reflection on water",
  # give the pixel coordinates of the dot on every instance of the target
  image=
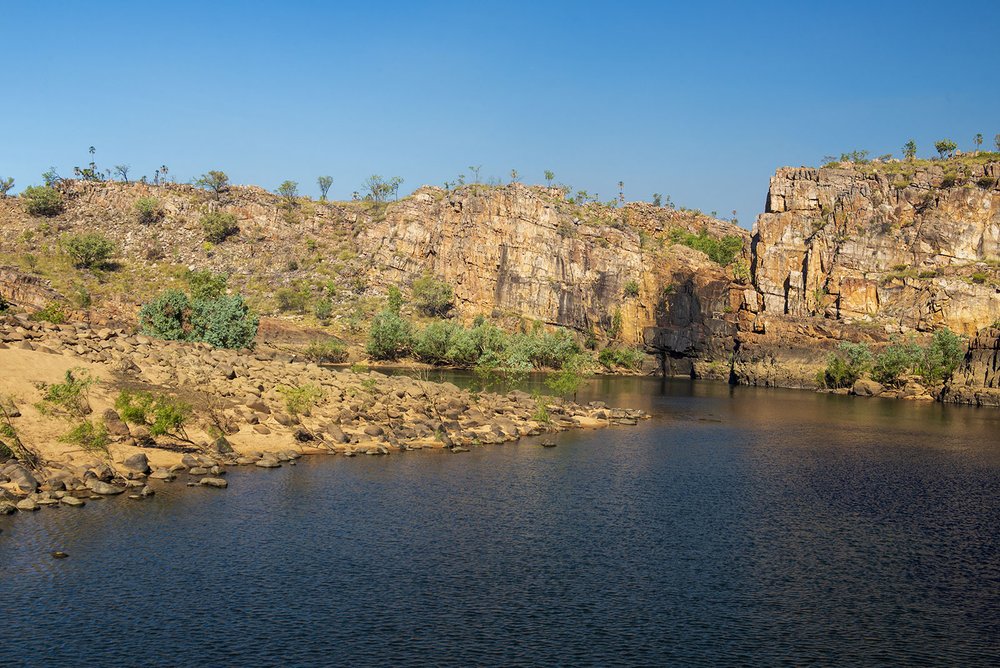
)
(738, 525)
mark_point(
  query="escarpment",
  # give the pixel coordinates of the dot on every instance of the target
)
(855, 252)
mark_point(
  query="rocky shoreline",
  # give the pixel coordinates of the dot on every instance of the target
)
(241, 413)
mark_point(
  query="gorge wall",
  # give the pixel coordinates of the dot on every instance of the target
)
(860, 252)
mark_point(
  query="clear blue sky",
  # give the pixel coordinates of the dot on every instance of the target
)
(698, 100)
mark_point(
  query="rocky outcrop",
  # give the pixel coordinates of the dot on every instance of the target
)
(900, 246)
(977, 382)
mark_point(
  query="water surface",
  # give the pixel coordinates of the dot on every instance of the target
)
(737, 526)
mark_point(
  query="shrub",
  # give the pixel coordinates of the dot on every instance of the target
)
(986, 182)
(148, 210)
(52, 312)
(164, 415)
(433, 297)
(292, 299)
(446, 343)
(4, 305)
(88, 436)
(556, 349)
(846, 365)
(301, 399)
(722, 251)
(395, 301)
(949, 179)
(979, 277)
(389, 336)
(219, 226)
(568, 379)
(42, 201)
(323, 309)
(224, 322)
(69, 398)
(942, 356)
(326, 352)
(894, 361)
(206, 284)
(632, 289)
(88, 250)
(626, 358)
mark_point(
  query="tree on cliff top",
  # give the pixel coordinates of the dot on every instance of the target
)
(978, 140)
(324, 183)
(910, 150)
(945, 148)
(214, 180)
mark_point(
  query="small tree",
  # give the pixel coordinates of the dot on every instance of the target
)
(88, 250)
(474, 170)
(657, 200)
(389, 337)
(6, 185)
(996, 141)
(513, 176)
(432, 296)
(978, 141)
(42, 201)
(324, 183)
(214, 180)
(945, 148)
(148, 210)
(567, 381)
(395, 301)
(219, 226)
(910, 150)
(289, 190)
(122, 171)
(549, 175)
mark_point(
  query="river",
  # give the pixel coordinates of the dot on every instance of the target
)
(736, 526)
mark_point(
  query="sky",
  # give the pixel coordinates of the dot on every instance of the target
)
(700, 101)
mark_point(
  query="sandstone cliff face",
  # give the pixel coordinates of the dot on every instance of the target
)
(977, 382)
(904, 250)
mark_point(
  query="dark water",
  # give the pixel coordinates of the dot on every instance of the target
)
(737, 526)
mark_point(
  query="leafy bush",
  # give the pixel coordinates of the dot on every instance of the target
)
(846, 365)
(42, 201)
(328, 352)
(52, 312)
(389, 337)
(567, 380)
(433, 297)
(721, 251)
(445, 343)
(219, 226)
(164, 415)
(69, 398)
(301, 399)
(292, 299)
(894, 361)
(224, 322)
(395, 301)
(626, 358)
(206, 284)
(88, 436)
(632, 289)
(942, 356)
(90, 250)
(148, 210)
(323, 309)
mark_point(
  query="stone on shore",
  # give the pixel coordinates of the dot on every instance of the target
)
(220, 483)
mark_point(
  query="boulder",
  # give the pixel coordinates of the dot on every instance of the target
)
(864, 387)
(116, 427)
(137, 463)
(104, 489)
(23, 479)
(220, 483)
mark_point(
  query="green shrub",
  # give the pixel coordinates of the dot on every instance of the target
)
(42, 201)
(395, 301)
(4, 305)
(89, 250)
(979, 277)
(722, 251)
(432, 296)
(301, 399)
(326, 352)
(205, 284)
(224, 322)
(292, 299)
(942, 356)
(148, 210)
(89, 436)
(52, 312)
(632, 289)
(69, 398)
(389, 337)
(323, 309)
(219, 226)
(626, 358)
(847, 365)
(164, 415)
(567, 380)
(894, 361)
(986, 182)
(446, 343)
